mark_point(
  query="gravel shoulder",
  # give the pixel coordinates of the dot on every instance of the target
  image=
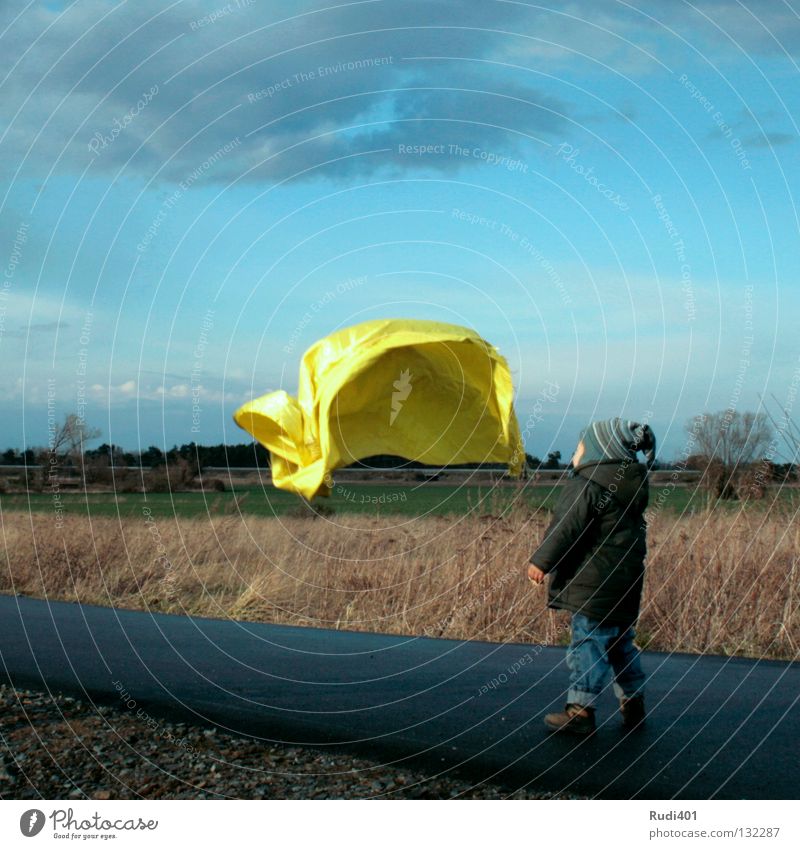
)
(59, 747)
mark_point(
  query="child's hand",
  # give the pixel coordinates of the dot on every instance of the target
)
(535, 574)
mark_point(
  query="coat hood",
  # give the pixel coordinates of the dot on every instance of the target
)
(626, 481)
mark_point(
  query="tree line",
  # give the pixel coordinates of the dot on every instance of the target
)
(738, 454)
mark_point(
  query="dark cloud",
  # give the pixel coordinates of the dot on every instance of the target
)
(714, 28)
(758, 26)
(158, 91)
(36, 328)
(162, 93)
(768, 139)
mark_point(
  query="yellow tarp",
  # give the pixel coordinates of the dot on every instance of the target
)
(422, 390)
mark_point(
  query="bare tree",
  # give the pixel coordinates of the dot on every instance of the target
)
(784, 446)
(69, 439)
(729, 443)
(67, 442)
(787, 433)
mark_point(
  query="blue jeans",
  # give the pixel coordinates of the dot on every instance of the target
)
(594, 652)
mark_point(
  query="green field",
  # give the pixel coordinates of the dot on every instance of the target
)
(410, 500)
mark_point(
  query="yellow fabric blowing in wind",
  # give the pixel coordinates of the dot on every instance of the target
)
(421, 390)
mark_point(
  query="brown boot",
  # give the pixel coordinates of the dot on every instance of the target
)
(632, 711)
(575, 719)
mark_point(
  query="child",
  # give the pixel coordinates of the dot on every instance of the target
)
(594, 552)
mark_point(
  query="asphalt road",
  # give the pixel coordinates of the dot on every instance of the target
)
(717, 727)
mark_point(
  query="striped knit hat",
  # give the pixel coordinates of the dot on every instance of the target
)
(616, 439)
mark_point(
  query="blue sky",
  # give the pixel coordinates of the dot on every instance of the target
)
(193, 193)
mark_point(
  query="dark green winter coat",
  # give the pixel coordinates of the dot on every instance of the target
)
(594, 549)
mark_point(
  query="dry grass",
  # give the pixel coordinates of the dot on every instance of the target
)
(724, 583)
